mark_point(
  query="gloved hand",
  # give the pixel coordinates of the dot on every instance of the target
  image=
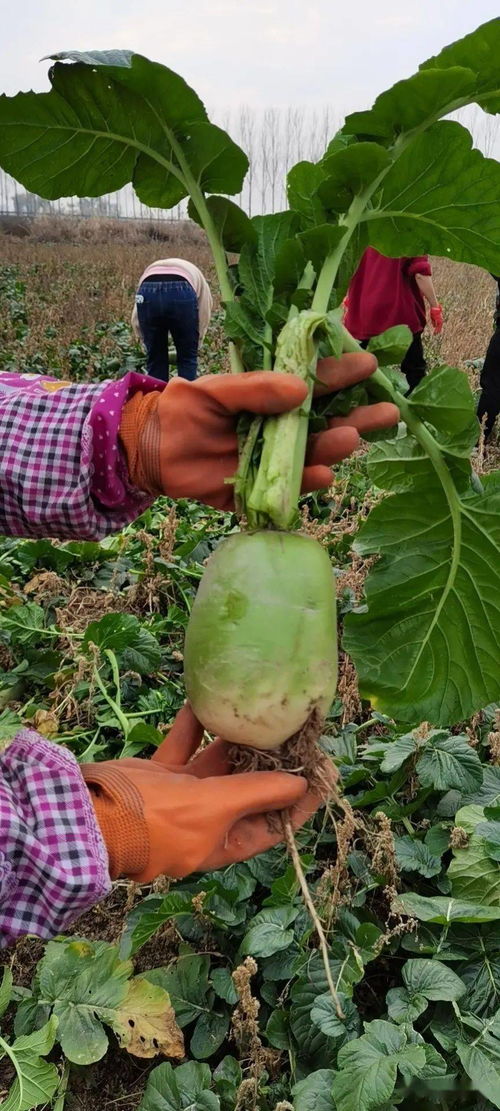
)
(436, 315)
(182, 442)
(173, 815)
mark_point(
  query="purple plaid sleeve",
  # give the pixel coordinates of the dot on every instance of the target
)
(62, 470)
(53, 861)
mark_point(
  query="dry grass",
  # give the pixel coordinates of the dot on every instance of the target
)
(82, 272)
(64, 229)
(467, 295)
(74, 287)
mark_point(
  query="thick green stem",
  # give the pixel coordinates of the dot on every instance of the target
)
(117, 710)
(216, 246)
(330, 268)
(244, 479)
(62, 1090)
(281, 433)
(276, 490)
(328, 274)
(219, 256)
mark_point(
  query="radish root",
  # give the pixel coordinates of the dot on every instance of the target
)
(306, 894)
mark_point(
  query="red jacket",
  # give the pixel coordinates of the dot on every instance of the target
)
(383, 292)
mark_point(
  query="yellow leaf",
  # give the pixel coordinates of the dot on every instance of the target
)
(145, 1022)
(46, 722)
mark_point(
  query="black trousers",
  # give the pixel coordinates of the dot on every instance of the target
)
(414, 365)
(489, 400)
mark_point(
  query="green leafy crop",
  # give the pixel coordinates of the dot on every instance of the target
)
(398, 177)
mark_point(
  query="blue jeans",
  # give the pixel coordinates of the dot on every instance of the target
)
(165, 307)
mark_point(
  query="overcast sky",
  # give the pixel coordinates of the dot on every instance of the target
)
(256, 52)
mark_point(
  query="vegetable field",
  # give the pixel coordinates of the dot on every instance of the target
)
(394, 880)
(211, 993)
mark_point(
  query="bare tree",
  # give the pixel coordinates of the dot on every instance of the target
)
(271, 134)
(247, 129)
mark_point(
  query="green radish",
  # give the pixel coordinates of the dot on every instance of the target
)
(261, 647)
(260, 655)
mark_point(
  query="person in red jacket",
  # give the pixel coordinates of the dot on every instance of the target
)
(385, 292)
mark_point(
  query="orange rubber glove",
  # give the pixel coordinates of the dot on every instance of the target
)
(182, 442)
(173, 815)
(436, 315)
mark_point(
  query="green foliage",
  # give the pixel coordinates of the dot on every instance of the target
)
(192, 1086)
(423, 661)
(84, 986)
(417, 970)
(400, 177)
(368, 1067)
(35, 1079)
(474, 873)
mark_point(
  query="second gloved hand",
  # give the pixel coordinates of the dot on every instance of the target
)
(173, 814)
(436, 315)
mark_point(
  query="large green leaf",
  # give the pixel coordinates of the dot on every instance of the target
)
(348, 172)
(414, 856)
(260, 272)
(490, 833)
(482, 1063)
(474, 875)
(186, 981)
(413, 103)
(23, 623)
(233, 225)
(325, 1017)
(482, 978)
(269, 931)
(5, 989)
(455, 423)
(209, 1033)
(302, 184)
(390, 347)
(432, 979)
(465, 71)
(138, 650)
(396, 752)
(479, 52)
(103, 125)
(86, 984)
(223, 985)
(258, 259)
(114, 631)
(488, 794)
(186, 1088)
(314, 1093)
(404, 1005)
(368, 1067)
(142, 652)
(449, 762)
(187, 986)
(428, 643)
(35, 1079)
(442, 910)
(419, 213)
(149, 915)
